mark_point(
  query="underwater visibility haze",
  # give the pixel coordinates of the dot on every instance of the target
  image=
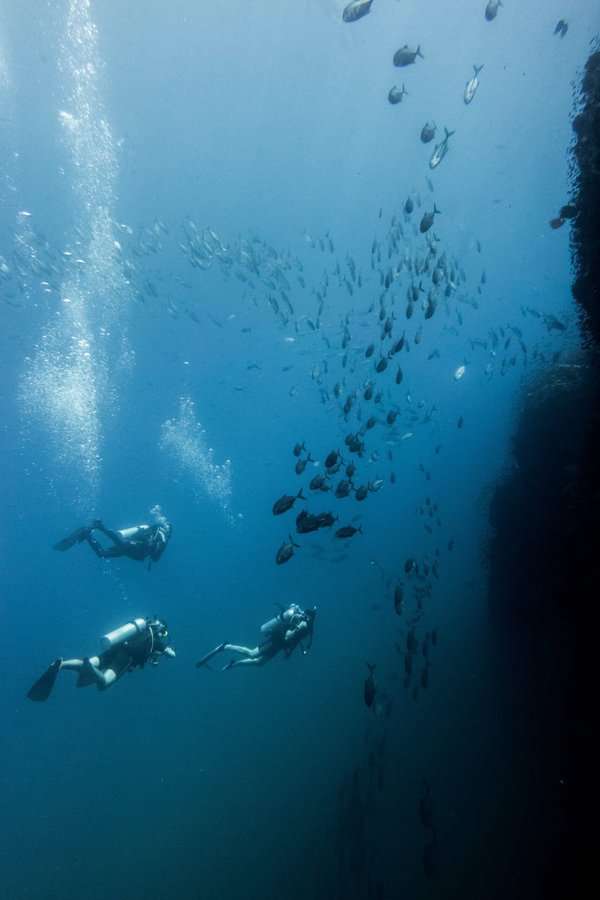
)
(280, 281)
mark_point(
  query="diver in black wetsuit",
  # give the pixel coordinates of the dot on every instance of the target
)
(139, 542)
(129, 647)
(282, 633)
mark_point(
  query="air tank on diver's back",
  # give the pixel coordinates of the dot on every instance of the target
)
(124, 633)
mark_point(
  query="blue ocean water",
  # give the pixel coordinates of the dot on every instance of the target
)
(135, 372)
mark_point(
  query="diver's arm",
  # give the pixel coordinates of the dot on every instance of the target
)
(293, 637)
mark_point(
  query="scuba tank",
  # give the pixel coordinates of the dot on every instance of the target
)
(124, 633)
(271, 625)
(129, 533)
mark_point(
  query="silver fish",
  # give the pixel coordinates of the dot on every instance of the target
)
(356, 9)
(472, 85)
(440, 150)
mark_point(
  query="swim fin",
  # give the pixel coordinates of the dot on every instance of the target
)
(209, 656)
(76, 537)
(42, 689)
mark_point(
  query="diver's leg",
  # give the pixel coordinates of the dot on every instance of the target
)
(102, 552)
(73, 665)
(243, 651)
(104, 678)
(247, 661)
(113, 535)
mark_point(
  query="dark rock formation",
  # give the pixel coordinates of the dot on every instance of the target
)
(545, 574)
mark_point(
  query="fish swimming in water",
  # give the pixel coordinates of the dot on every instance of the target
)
(396, 94)
(286, 502)
(428, 132)
(561, 28)
(370, 688)
(319, 483)
(306, 522)
(347, 531)
(440, 150)
(427, 220)
(286, 551)
(491, 10)
(356, 9)
(405, 56)
(343, 489)
(472, 85)
(332, 459)
(398, 599)
(302, 463)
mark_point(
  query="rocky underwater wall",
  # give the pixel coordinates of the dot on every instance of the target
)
(544, 570)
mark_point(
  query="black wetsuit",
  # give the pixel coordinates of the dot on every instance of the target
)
(150, 544)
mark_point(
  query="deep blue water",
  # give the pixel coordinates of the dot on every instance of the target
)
(120, 371)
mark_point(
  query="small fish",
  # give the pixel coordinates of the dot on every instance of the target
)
(302, 463)
(399, 376)
(427, 220)
(460, 422)
(398, 599)
(319, 483)
(286, 551)
(343, 489)
(370, 350)
(376, 485)
(361, 492)
(410, 566)
(356, 9)
(370, 688)
(491, 10)
(381, 365)
(305, 522)
(440, 150)
(332, 459)
(298, 448)
(405, 56)
(326, 519)
(459, 373)
(472, 85)
(396, 94)
(408, 206)
(347, 531)
(428, 132)
(286, 502)
(561, 28)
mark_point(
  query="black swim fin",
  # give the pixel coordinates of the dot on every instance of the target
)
(42, 689)
(77, 537)
(209, 656)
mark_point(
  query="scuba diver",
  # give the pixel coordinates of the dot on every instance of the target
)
(139, 542)
(284, 632)
(129, 647)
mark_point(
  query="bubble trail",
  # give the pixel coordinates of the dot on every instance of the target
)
(184, 439)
